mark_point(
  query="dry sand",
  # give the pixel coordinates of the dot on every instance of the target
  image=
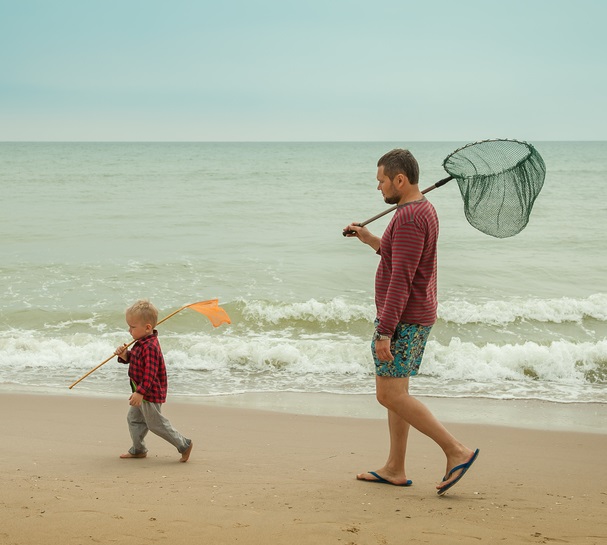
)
(258, 477)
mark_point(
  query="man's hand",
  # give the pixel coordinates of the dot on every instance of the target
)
(350, 231)
(135, 399)
(382, 350)
(363, 234)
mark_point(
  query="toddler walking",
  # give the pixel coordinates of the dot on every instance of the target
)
(147, 373)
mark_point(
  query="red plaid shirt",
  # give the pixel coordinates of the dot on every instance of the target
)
(147, 370)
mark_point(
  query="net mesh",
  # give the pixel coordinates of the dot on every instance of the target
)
(499, 181)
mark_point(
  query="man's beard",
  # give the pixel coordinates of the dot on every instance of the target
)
(391, 200)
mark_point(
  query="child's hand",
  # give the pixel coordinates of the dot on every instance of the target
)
(121, 351)
(135, 399)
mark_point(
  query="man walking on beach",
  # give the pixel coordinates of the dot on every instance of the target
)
(406, 301)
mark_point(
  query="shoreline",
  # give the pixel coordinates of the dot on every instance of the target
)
(524, 414)
(258, 477)
(512, 413)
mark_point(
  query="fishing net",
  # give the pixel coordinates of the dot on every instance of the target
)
(499, 181)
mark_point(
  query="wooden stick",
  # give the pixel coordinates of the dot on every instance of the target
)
(126, 346)
(392, 208)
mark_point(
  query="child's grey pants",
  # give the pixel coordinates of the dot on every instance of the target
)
(148, 417)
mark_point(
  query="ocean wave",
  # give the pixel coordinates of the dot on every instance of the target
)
(205, 364)
(334, 310)
(337, 313)
(556, 362)
(457, 311)
(564, 309)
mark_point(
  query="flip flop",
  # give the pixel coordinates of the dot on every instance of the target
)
(463, 468)
(381, 480)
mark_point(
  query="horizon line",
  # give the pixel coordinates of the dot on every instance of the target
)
(271, 141)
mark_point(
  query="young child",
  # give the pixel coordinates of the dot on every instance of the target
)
(148, 383)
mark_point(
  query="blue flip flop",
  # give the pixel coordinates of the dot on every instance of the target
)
(379, 479)
(463, 468)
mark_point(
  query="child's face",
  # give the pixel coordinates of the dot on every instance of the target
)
(137, 328)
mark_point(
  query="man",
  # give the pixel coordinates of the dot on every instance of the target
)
(406, 301)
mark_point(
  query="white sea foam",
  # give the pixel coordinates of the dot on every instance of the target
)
(564, 309)
(559, 361)
(201, 364)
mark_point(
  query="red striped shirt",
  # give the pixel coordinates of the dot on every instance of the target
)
(405, 282)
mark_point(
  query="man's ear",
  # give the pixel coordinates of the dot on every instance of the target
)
(401, 179)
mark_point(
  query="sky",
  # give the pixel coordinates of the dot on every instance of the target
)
(307, 70)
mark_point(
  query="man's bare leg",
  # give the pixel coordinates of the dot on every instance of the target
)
(394, 468)
(393, 394)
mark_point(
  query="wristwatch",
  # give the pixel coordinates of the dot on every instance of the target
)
(379, 337)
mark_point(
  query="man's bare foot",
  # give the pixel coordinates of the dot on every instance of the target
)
(129, 455)
(185, 455)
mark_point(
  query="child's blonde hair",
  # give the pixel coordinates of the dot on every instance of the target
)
(145, 310)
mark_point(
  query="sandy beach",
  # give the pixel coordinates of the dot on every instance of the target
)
(259, 477)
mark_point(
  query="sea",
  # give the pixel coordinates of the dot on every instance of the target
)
(86, 229)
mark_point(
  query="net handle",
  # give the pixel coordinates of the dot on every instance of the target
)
(392, 208)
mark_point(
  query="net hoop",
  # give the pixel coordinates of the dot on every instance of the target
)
(453, 172)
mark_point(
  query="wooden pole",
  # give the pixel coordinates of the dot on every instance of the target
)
(392, 208)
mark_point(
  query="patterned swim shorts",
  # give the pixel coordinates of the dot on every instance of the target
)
(407, 346)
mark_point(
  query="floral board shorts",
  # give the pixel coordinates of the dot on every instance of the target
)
(407, 346)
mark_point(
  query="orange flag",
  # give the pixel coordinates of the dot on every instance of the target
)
(212, 311)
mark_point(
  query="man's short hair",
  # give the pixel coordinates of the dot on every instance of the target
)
(400, 161)
(145, 310)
